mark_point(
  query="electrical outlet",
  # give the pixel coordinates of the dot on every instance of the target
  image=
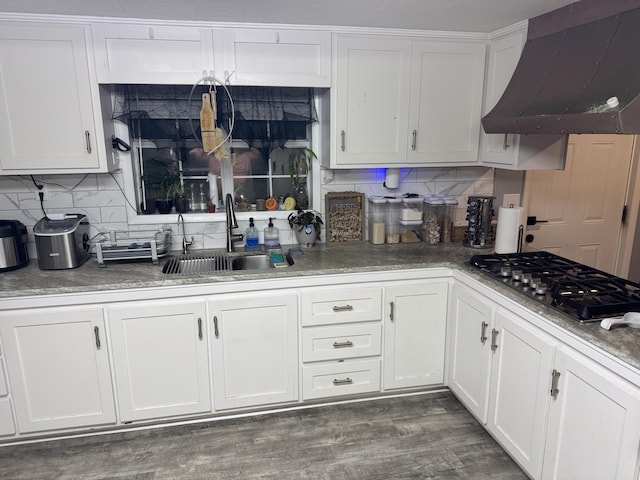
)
(509, 199)
(42, 190)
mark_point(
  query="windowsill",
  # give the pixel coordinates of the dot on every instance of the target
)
(208, 217)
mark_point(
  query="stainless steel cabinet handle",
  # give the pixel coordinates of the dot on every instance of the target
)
(87, 137)
(346, 344)
(494, 337)
(343, 134)
(555, 376)
(505, 144)
(414, 135)
(483, 332)
(96, 333)
(200, 328)
(215, 327)
(391, 309)
(344, 381)
(342, 308)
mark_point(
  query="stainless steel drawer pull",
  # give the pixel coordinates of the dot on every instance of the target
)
(96, 332)
(342, 308)
(414, 136)
(215, 326)
(494, 337)
(555, 376)
(342, 140)
(505, 144)
(200, 328)
(344, 381)
(87, 137)
(391, 309)
(346, 344)
(483, 332)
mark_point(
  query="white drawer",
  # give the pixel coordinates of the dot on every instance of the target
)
(341, 305)
(336, 342)
(7, 426)
(343, 378)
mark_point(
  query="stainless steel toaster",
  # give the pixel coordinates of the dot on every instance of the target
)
(62, 241)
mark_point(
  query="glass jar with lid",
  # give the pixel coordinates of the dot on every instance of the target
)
(377, 227)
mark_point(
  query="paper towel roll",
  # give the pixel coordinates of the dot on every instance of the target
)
(509, 221)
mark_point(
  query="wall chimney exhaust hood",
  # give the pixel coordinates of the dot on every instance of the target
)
(579, 72)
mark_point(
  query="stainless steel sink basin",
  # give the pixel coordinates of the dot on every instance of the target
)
(194, 263)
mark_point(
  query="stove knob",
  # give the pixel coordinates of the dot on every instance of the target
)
(526, 279)
(541, 289)
(505, 271)
(516, 275)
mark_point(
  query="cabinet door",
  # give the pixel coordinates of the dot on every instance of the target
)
(47, 120)
(154, 54)
(160, 355)
(519, 399)
(593, 429)
(58, 368)
(255, 349)
(471, 321)
(371, 100)
(446, 102)
(414, 334)
(278, 57)
(509, 150)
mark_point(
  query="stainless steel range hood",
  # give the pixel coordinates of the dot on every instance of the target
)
(579, 72)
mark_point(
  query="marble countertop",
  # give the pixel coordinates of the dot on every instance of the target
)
(622, 343)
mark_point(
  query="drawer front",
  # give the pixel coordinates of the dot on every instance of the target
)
(7, 426)
(344, 378)
(341, 341)
(344, 305)
(3, 381)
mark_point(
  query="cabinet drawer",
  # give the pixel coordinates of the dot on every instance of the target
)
(323, 307)
(3, 381)
(341, 341)
(344, 378)
(7, 426)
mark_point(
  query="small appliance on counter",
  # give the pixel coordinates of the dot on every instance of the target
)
(14, 253)
(62, 241)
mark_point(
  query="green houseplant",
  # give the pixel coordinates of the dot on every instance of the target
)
(300, 163)
(163, 178)
(306, 225)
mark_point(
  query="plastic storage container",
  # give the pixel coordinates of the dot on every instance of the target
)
(377, 227)
(411, 231)
(412, 209)
(432, 218)
(392, 220)
(448, 219)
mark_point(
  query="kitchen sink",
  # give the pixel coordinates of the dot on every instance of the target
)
(193, 263)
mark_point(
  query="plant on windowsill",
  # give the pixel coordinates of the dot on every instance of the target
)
(164, 179)
(300, 163)
(306, 226)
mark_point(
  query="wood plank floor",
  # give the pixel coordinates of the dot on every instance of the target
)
(417, 437)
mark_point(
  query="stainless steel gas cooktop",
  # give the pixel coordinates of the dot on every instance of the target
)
(584, 293)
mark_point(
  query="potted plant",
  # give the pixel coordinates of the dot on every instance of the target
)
(300, 163)
(164, 179)
(306, 226)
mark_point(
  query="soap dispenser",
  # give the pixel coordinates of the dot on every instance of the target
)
(271, 235)
(251, 235)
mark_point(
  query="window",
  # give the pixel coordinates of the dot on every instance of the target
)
(270, 136)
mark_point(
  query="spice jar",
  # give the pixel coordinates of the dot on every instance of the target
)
(432, 219)
(392, 220)
(377, 210)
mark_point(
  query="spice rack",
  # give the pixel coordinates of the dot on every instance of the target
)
(344, 215)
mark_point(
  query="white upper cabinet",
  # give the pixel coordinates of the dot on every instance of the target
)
(399, 101)
(155, 54)
(508, 150)
(446, 102)
(50, 117)
(277, 57)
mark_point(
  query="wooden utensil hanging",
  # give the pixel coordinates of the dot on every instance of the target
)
(213, 137)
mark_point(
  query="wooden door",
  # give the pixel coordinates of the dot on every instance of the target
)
(255, 349)
(58, 367)
(160, 357)
(582, 204)
(414, 334)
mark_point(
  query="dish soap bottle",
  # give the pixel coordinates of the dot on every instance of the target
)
(271, 235)
(251, 236)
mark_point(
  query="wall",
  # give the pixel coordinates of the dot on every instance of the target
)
(99, 197)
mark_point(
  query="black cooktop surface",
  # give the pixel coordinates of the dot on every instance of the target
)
(582, 292)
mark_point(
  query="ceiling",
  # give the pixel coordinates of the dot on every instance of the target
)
(448, 15)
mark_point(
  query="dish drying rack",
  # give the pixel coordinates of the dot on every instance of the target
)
(132, 246)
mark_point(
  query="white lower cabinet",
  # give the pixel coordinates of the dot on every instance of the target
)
(254, 349)
(594, 423)
(519, 393)
(339, 378)
(414, 334)
(7, 426)
(58, 368)
(160, 356)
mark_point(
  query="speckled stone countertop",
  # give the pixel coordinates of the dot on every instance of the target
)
(622, 343)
